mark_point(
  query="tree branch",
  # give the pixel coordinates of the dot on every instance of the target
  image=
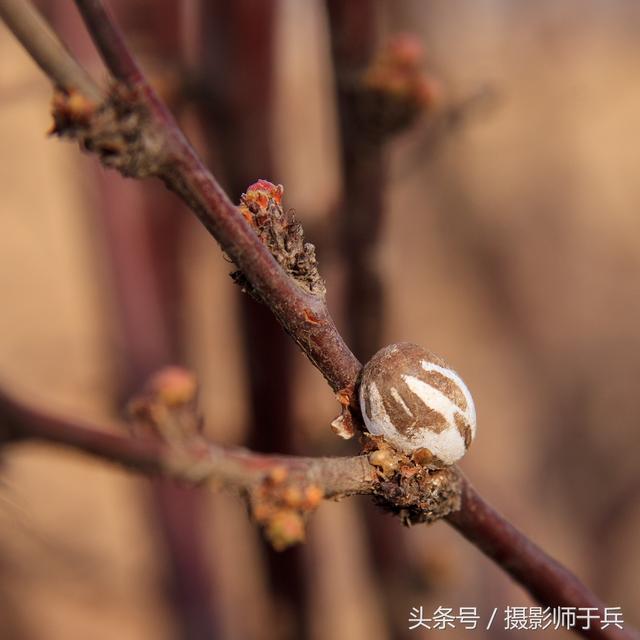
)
(110, 42)
(303, 315)
(352, 28)
(361, 214)
(232, 468)
(546, 580)
(44, 46)
(239, 469)
(235, 63)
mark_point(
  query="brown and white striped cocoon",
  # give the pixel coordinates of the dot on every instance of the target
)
(418, 404)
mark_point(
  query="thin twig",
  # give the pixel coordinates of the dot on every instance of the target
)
(359, 221)
(353, 30)
(111, 44)
(44, 46)
(142, 254)
(544, 578)
(303, 315)
(233, 468)
(235, 64)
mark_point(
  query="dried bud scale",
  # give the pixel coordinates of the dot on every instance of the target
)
(261, 206)
(394, 92)
(418, 404)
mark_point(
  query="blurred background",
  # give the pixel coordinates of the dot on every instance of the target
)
(499, 229)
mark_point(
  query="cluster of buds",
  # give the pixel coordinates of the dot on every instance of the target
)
(166, 409)
(278, 229)
(394, 91)
(282, 506)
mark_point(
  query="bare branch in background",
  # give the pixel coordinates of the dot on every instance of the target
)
(143, 251)
(162, 150)
(199, 462)
(44, 46)
(380, 91)
(235, 64)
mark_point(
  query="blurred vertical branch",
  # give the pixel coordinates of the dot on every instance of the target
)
(353, 35)
(379, 93)
(353, 40)
(235, 84)
(143, 232)
(47, 51)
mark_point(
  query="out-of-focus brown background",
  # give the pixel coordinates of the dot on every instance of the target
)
(511, 247)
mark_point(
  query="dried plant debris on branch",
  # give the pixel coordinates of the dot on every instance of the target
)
(119, 130)
(277, 227)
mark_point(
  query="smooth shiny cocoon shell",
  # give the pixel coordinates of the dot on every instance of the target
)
(418, 404)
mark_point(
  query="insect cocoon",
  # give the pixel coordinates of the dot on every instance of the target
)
(418, 404)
